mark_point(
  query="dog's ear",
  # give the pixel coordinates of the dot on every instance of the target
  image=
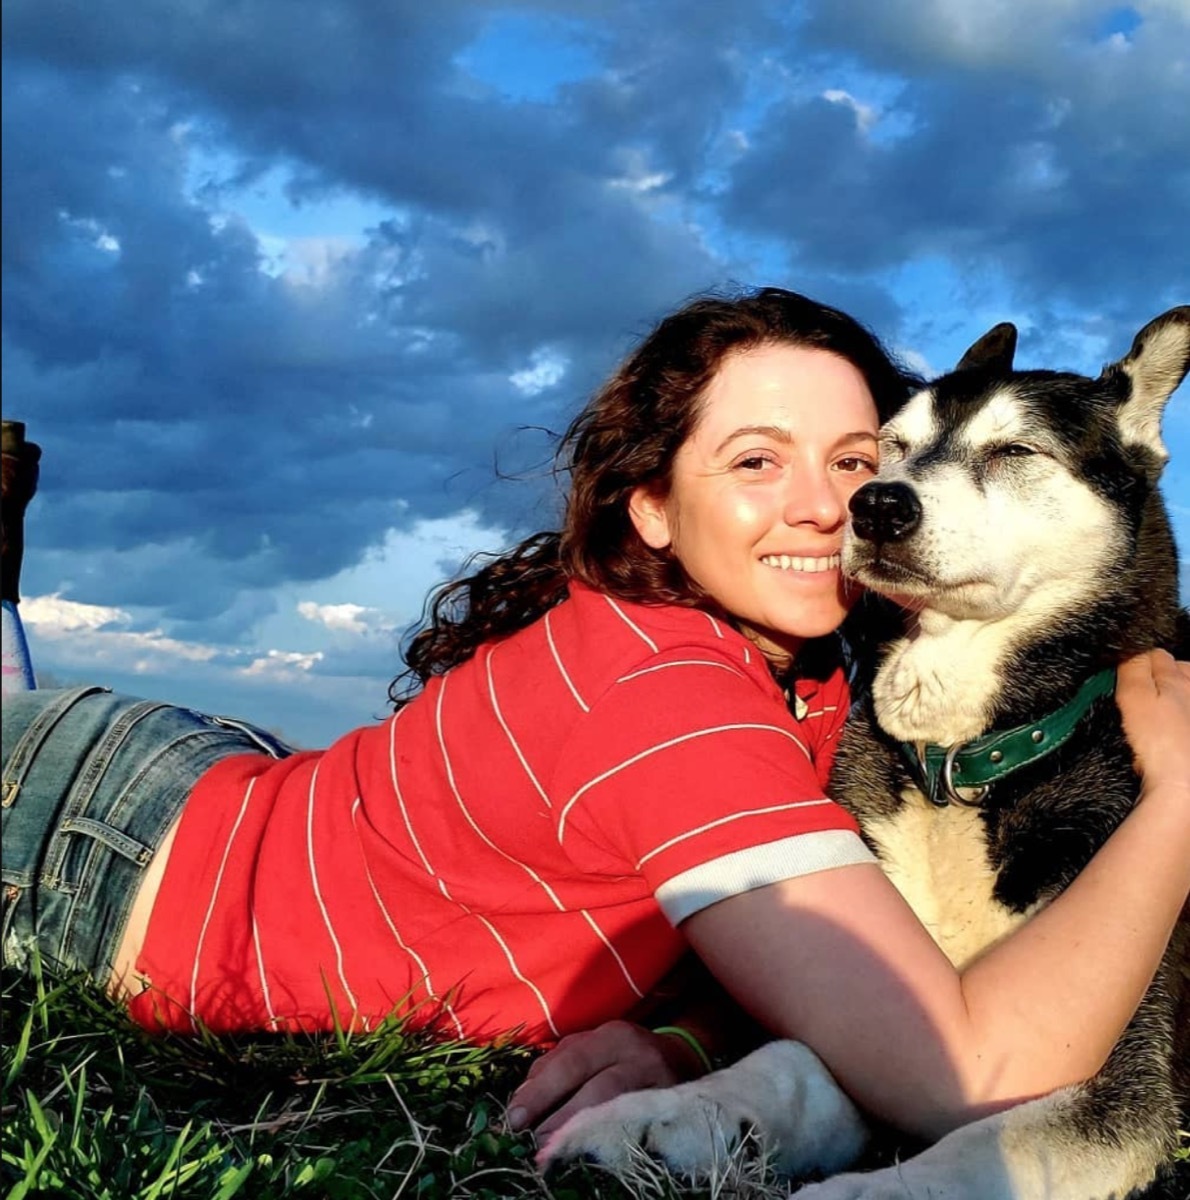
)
(993, 351)
(1153, 368)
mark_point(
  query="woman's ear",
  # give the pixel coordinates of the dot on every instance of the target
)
(646, 507)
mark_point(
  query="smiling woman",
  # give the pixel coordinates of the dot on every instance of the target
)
(758, 496)
(593, 767)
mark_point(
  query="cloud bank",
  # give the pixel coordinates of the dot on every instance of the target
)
(283, 295)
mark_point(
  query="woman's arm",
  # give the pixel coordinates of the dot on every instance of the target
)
(838, 960)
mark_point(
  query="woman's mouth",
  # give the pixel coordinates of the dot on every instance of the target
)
(797, 562)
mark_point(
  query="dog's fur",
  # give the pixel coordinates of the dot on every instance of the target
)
(1016, 516)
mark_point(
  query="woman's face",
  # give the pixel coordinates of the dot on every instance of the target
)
(758, 500)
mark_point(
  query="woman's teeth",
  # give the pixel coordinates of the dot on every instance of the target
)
(788, 562)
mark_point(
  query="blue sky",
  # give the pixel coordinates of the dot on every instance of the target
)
(293, 294)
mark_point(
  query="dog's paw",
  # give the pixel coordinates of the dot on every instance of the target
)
(779, 1102)
(685, 1129)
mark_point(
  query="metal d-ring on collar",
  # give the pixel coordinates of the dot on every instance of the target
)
(974, 766)
(974, 800)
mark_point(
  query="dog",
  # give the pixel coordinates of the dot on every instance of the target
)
(1017, 520)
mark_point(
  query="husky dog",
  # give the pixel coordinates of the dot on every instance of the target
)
(1016, 516)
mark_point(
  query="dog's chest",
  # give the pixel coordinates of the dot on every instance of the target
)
(938, 860)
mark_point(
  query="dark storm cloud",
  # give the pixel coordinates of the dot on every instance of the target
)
(212, 429)
(187, 398)
(1018, 140)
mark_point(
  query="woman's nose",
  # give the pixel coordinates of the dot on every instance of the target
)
(814, 498)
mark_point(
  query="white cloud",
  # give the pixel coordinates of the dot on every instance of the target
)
(916, 361)
(52, 615)
(99, 237)
(282, 664)
(866, 115)
(345, 618)
(546, 368)
(95, 634)
(312, 261)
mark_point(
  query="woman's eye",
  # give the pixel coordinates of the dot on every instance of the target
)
(754, 462)
(855, 463)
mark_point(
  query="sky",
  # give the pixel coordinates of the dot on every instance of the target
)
(296, 296)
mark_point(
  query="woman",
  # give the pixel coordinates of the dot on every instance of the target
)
(600, 770)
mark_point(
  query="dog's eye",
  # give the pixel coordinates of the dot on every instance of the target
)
(892, 449)
(1013, 450)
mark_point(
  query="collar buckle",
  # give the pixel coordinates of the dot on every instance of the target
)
(951, 793)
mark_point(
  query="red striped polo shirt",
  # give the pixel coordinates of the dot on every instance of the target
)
(514, 850)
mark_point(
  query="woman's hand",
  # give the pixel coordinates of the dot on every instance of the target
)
(1153, 692)
(597, 1065)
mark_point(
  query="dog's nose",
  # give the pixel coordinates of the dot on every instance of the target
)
(885, 512)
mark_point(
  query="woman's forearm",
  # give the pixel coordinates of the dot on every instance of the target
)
(839, 961)
(1060, 990)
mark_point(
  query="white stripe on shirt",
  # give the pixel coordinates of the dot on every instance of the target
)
(549, 637)
(682, 662)
(427, 983)
(202, 933)
(614, 953)
(541, 792)
(487, 841)
(264, 983)
(652, 645)
(326, 917)
(545, 1008)
(508, 732)
(727, 820)
(392, 766)
(685, 737)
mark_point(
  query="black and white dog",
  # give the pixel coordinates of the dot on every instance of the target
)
(1016, 515)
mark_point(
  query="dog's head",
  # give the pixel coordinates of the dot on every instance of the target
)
(1006, 493)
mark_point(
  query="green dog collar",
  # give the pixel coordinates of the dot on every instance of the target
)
(977, 764)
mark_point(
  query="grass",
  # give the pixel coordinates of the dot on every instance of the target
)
(95, 1109)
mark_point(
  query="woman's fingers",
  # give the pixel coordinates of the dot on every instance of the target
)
(588, 1068)
(1153, 692)
(607, 1085)
(553, 1077)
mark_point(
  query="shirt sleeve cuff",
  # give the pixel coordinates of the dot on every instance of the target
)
(758, 866)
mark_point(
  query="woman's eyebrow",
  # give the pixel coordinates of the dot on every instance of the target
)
(860, 435)
(779, 433)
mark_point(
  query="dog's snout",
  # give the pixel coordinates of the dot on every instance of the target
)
(885, 512)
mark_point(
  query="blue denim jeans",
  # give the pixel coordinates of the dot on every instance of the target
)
(92, 782)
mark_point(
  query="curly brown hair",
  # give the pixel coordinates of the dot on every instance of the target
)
(626, 437)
